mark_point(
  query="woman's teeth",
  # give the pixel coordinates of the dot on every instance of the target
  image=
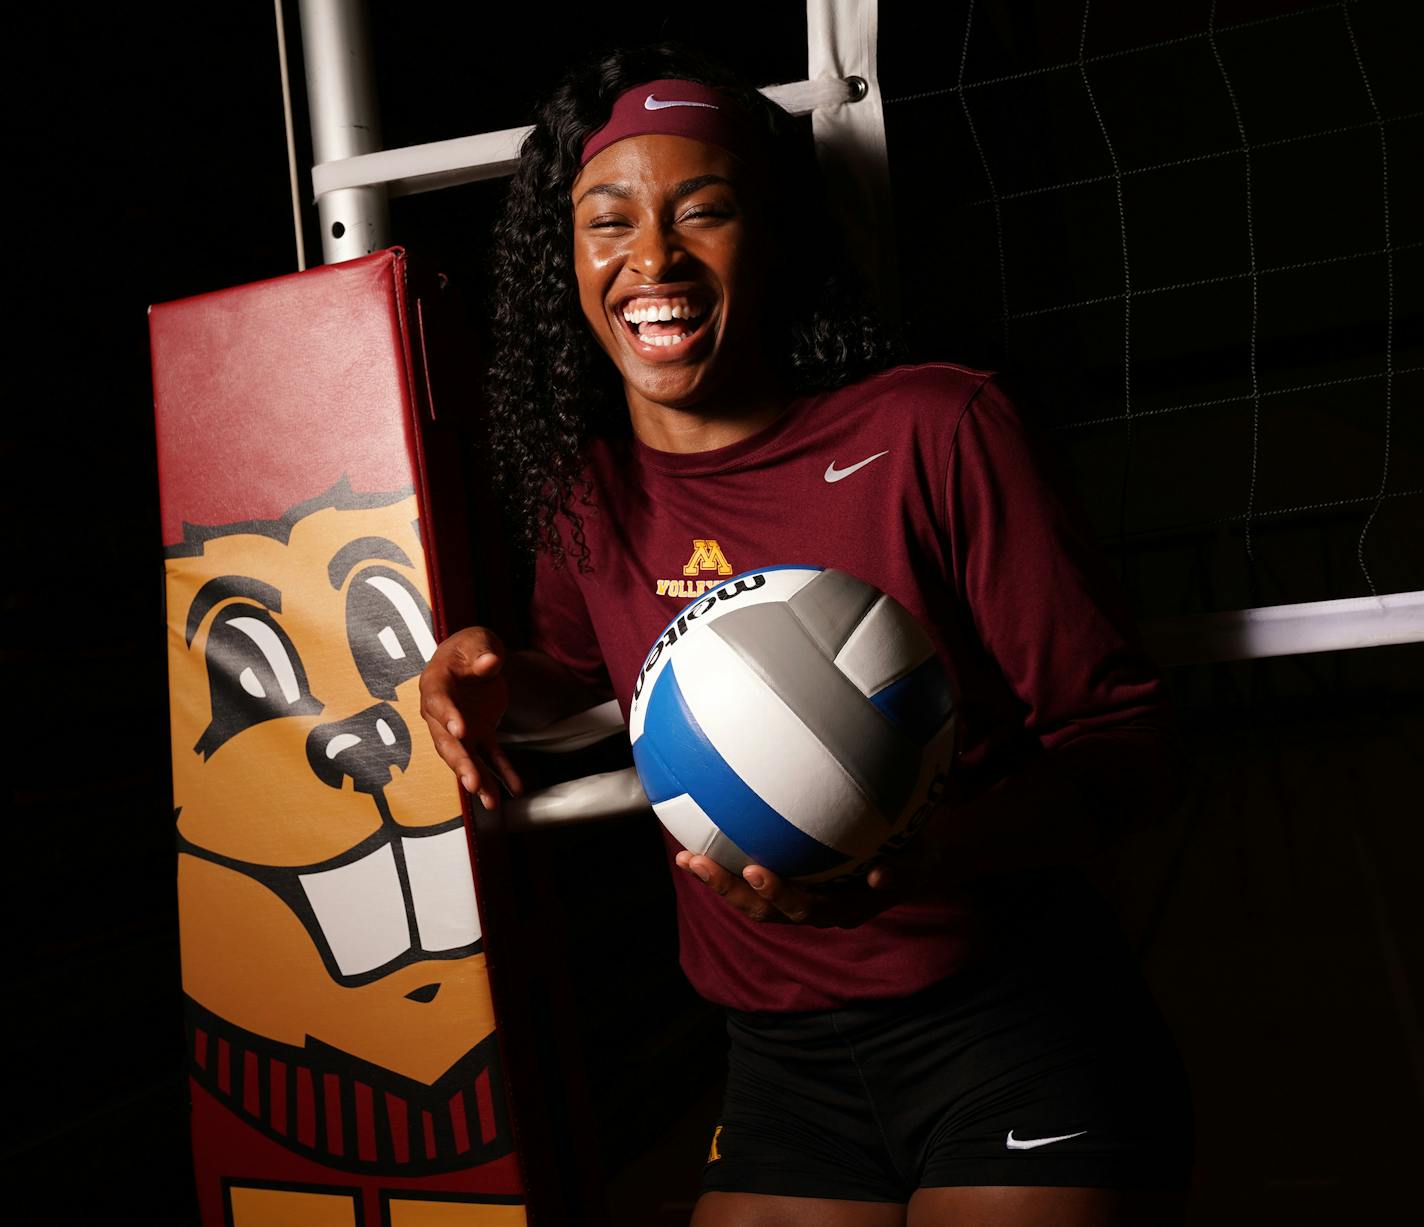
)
(662, 313)
(663, 324)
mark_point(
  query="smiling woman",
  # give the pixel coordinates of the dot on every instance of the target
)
(670, 260)
(746, 211)
(684, 386)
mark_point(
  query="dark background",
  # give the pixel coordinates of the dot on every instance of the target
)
(1192, 233)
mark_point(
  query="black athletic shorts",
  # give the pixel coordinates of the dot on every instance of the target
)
(1018, 1071)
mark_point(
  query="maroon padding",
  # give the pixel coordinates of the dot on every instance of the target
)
(268, 396)
(336, 394)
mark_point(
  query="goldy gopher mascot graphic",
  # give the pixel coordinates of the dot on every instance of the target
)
(342, 1052)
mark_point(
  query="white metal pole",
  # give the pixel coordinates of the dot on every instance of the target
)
(341, 97)
(841, 38)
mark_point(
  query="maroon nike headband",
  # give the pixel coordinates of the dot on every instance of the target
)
(676, 108)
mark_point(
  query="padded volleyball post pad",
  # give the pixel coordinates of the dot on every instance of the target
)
(793, 717)
(343, 1054)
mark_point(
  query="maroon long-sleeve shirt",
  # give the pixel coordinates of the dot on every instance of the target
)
(923, 481)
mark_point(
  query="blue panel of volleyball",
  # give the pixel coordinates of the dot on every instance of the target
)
(795, 717)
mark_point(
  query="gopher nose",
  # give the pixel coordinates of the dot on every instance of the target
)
(363, 748)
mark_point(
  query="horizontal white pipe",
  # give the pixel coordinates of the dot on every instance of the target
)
(1288, 630)
(803, 97)
(466, 159)
(595, 796)
(573, 733)
(422, 168)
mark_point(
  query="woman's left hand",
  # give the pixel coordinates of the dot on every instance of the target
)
(762, 896)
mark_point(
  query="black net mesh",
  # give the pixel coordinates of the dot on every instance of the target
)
(1195, 231)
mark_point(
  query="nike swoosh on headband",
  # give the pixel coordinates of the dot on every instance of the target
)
(1014, 1143)
(835, 474)
(658, 104)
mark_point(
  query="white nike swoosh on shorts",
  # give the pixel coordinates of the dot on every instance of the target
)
(1014, 1143)
(835, 474)
(657, 104)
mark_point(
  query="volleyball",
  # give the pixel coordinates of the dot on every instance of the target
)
(793, 717)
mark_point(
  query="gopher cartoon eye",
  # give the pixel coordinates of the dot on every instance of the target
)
(254, 674)
(388, 625)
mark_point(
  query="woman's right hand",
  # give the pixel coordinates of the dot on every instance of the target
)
(463, 694)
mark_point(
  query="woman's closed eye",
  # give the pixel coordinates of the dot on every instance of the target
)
(706, 212)
(698, 213)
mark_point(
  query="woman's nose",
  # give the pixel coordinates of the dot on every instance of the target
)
(654, 251)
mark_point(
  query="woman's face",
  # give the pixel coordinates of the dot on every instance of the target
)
(668, 251)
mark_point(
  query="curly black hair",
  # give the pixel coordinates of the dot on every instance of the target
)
(550, 387)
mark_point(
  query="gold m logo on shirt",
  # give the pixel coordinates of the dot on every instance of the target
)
(707, 556)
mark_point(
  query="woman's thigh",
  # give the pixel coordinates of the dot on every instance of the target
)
(1018, 1206)
(1003, 1206)
(764, 1210)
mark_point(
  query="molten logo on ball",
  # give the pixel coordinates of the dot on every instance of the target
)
(793, 717)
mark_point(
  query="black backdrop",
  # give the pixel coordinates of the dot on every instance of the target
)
(1072, 206)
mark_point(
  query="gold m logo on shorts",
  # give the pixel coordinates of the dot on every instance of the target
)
(713, 1154)
(707, 556)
